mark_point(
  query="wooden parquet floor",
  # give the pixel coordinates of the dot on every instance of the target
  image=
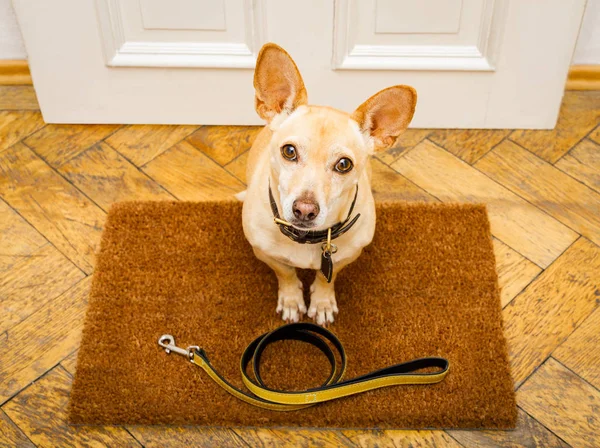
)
(543, 193)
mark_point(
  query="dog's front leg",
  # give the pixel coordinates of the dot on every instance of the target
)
(322, 300)
(322, 294)
(290, 302)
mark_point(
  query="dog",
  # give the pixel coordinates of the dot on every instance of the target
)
(308, 202)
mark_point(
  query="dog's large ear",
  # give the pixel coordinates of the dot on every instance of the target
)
(386, 114)
(277, 82)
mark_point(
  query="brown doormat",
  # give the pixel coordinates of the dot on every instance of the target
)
(426, 286)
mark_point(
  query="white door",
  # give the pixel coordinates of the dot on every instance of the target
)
(474, 63)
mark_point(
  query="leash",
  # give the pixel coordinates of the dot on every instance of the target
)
(316, 236)
(333, 388)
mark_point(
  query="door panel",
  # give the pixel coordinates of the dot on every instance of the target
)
(183, 15)
(403, 17)
(181, 33)
(474, 63)
(428, 35)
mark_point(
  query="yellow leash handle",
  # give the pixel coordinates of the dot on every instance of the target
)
(278, 400)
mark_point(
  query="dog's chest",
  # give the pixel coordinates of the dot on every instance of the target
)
(304, 256)
(308, 256)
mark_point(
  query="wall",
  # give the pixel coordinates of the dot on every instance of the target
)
(588, 43)
(586, 52)
(11, 43)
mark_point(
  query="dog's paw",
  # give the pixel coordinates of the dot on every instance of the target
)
(322, 305)
(291, 304)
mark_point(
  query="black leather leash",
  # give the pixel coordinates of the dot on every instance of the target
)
(333, 388)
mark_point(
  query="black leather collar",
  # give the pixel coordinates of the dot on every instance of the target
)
(313, 236)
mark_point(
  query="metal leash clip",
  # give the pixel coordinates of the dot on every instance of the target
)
(328, 247)
(168, 343)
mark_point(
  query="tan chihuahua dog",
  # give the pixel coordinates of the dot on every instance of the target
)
(309, 202)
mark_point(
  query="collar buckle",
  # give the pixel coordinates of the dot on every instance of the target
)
(282, 222)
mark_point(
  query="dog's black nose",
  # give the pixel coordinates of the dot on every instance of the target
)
(305, 209)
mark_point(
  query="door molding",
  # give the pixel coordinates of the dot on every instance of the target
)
(479, 56)
(120, 52)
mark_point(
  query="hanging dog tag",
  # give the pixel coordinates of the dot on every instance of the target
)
(328, 250)
(326, 265)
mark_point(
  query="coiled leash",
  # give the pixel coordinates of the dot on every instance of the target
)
(333, 388)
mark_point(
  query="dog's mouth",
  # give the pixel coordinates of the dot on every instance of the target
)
(302, 225)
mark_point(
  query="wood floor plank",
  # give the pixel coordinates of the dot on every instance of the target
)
(394, 439)
(18, 239)
(15, 125)
(32, 282)
(564, 403)
(10, 435)
(142, 143)
(583, 163)
(70, 363)
(266, 437)
(388, 185)
(185, 436)
(42, 340)
(528, 434)
(595, 135)
(545, 186)
(237, 166)
(53, 206)
(515, 271)
(579, 114)
(58, 143)
(18, 98)
(581, 352)
(514, 221)
(107, 177)
(468, 144)
(41, 412)
(544, 315)
(192, 176)
(407, 140)
(224, 143)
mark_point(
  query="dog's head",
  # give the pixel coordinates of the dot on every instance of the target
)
(319, 153)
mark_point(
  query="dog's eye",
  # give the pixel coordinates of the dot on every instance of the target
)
(343, 165)
(289, 152)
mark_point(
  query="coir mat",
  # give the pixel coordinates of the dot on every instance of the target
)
(426, 286)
